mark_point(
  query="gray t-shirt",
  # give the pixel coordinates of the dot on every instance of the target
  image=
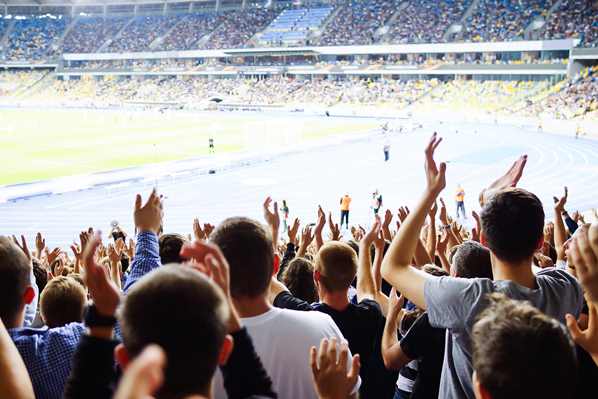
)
(455, 303)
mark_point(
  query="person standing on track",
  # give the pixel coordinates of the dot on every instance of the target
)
(460, 199)
(345, 207)
(211, 145)
(285, 216)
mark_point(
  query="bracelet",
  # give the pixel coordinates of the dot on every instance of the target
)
(93, 318)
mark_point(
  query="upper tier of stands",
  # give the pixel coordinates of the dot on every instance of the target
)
(293, 26)
(355, 22)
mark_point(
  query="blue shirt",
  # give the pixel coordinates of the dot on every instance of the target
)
(48, 352)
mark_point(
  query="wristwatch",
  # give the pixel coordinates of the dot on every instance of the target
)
(93, 318)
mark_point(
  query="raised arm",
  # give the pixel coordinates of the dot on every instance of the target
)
(396, 267)
(560, 233)
(366, 288)
(273, 219)
(431, 242)
(148, 219)
(14, 379)
(392, 354)
(319, 227)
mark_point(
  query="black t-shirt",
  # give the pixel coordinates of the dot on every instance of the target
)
(426, 344)
(362, 326)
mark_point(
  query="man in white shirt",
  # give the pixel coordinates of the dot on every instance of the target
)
(281, 337)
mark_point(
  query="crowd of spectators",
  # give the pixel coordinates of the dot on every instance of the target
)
(141, 33)
(189, 31)
(574, 19)
(12, 82)
(89, 33)
(569, 99)
(34, 38)
(416, 304)
(503, 20)
(426, 21)
(237, 28)
(357, 22)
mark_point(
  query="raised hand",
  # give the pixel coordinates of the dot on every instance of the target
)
(543, 260)
(40, 244)
(335, 231)
(292, 231)
(512, 177)
(148, 217)
(443, 213)
(103, 291)
(329, 370)
(144, 375)
(395, 302)
(435, 176)
(306, 239)
(272, 216)
(374, 232)
(208, 259)
(52, 256)
(131, 249)
(559, 203)
(198, 231)
(583, 252)
(23, 246)
(588, 338)
(113, 254)
(403, 213)
(442, 243)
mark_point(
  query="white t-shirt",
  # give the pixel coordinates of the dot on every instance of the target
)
(282, 338)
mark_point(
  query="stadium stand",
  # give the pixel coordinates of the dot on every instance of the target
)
(357, 22)
(32, 38)
(426, 21)
(188, 31)
(292, 27)
(90, 33)
(140, 33)
(239, 27)
(574, 18)
(500, 20)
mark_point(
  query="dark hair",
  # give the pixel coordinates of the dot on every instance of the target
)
(518, 351)
(247, 246)
(434, 270)
(62, 302)
(337, 264)
(183, 311)
(471, 259)
(170, 248)
(15, 272)
(513, 224)
(299, 279)
(40, 273)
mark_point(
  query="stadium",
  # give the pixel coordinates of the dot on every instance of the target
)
(323, 109)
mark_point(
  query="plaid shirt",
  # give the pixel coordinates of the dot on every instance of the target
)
(48, 352)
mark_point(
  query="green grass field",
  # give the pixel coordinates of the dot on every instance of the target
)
(43, 144)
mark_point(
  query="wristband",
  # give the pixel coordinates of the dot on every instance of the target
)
(93, 318)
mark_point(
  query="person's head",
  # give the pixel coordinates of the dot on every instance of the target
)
(335, 267)
(470, 259)
(513, 225)
(15, 283)
(170, 248)
(518, 351)
(247, 246)
(186, 314)
(299, 279)
(62, 302)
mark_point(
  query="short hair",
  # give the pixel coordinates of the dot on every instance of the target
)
(471, 259)
(247, 246)
(337, 264)
(513, 224)
(15, 271)
(170, 248)
(434, 270)
(517, 351)
(299, 279)
(62, 302)
(186, 314)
